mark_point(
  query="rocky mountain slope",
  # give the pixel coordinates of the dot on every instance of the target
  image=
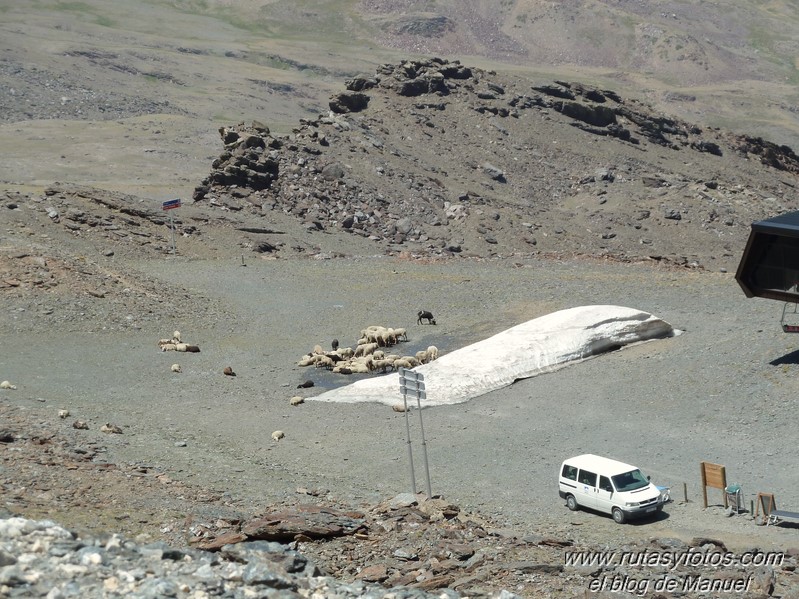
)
(326, 130)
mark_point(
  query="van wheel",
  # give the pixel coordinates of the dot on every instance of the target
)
(618, 516)
(571, 503)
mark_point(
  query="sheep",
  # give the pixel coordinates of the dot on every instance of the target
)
(278, 435)
(387, 337)
(359, 368)
(401, 363)
(317, 350)
(7, 385)
(412, 359)
(169, 347)
(401, 334)
(334, 344)
(378, 354)
(425, 315)
(376, 335)
(432, 353)
(370, 328)
(306, 360)
(296, 400)
(346, 352)
(324, 362)
(365, 349)
(228, 371)
(382, 364)
(63, 414)
(181, 347)
(422, 356)
(176, 337)
(175, 367)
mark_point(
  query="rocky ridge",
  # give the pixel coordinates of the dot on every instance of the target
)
(382, 165)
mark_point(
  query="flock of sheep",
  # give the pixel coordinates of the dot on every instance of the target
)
(175, 344)
(369, 355)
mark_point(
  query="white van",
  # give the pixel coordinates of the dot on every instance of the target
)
(608, 486)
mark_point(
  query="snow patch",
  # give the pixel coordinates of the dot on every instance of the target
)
(540, 345)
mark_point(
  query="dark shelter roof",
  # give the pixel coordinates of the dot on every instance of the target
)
(769, 266)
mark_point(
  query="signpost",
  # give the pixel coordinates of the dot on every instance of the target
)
(413, 383)
(171, 205)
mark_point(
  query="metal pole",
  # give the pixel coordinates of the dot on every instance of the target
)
(172, 225)
(424, 443)
(408, 437)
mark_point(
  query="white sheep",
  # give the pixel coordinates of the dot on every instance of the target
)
(317, 350)
(324, 362)
(365, 349)
(7, 385)
(175, 367)
(412, 359)
(432, 353)
(370, 328)
(182, 347)
(375, 335)
(176, 337)
(382, 364)
(278, 435)
(63, 414)
(387, 337)
(305, 361)
(401, 334)
(169, 347)
(401, 363)
(422, 356)
(296, 400)
(378, 354)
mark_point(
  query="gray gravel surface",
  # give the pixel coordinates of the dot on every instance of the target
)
(723, 391)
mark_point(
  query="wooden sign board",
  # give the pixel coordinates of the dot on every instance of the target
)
(765, 502)
(715, 476)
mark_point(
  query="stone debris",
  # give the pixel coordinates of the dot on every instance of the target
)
(39, 558)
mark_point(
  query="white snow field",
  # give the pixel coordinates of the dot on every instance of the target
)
(537, 346)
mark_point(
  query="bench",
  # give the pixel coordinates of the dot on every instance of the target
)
(777, 516)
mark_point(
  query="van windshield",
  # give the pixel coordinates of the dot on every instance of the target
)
(629, 481)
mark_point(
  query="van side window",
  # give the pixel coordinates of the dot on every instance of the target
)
(604, 484)
(587, 478)
(569, 472)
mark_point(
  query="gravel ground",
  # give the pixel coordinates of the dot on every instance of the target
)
(723, 391)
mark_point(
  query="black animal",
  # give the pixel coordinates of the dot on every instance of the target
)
(425, 315)
(335, 344)
(305, 385)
